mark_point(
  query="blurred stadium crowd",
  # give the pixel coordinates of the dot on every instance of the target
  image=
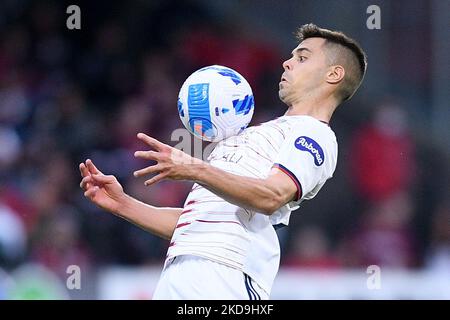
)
(70, 95)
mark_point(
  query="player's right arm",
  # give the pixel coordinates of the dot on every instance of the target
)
(107, 193)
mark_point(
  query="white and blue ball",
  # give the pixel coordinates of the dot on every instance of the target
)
(215, 102)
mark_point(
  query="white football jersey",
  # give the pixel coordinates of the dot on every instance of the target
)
(302, 147)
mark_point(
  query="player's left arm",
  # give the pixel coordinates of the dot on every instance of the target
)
(261, 195)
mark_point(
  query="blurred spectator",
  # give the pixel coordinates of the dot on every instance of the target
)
(13, 237)
(14, 103)
(310, 249)
(384, 236)
(382, 160)
(438, 255)
(11, 148)
(56, 242)
(7, 284)
(230, 46)
(36, 282)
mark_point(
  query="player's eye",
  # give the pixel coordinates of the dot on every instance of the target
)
(301, 58)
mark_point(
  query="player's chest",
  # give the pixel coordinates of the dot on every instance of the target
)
(258, 144)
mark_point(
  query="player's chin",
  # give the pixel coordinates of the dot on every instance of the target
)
(282, 95)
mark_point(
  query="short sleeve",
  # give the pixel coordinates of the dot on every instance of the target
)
(304, 157)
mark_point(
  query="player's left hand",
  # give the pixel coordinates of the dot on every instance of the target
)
(171, 163)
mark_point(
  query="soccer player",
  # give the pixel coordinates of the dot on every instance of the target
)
(223, 243)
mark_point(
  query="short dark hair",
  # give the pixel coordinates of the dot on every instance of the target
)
(342, 50)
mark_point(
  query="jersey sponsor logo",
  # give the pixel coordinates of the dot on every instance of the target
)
(307, 144)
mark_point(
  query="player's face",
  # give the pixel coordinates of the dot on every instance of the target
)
(304, 71)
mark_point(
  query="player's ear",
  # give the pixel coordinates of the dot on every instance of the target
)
(335, 74)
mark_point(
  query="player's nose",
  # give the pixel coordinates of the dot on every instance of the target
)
(286, 65)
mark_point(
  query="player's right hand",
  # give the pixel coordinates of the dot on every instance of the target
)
(103, 190)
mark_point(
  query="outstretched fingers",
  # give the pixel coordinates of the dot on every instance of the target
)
(147, 155)
(93, 179)
(92, 168)
(90, 193)
(148, 170)
(102, 179)
(84, 182)
(152, 142)
(155, 179)
(83, 170)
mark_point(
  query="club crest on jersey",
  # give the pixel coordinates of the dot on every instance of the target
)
(309, 145)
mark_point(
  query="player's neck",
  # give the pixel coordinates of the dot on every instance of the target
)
(321, 110)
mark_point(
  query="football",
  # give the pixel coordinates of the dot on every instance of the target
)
(215, 102)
